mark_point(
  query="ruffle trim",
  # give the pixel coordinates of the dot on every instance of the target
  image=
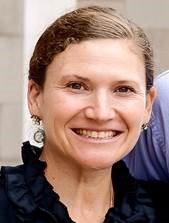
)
(30, 192)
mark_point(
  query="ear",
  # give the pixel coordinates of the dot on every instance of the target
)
(150, 97)
(34, 98)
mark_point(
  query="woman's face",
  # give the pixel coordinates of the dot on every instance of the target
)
(93, 103)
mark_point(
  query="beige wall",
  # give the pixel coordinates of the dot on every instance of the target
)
(152, 15)
(10, 79)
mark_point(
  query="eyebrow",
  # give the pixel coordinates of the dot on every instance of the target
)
(67, 77)
(126, 82)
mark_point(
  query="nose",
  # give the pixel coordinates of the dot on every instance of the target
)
(101, 107)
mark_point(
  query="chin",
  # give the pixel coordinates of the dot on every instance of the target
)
(96, 162)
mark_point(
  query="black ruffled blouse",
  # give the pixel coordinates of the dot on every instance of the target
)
(26, 195)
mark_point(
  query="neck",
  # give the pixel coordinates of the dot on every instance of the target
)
(85, 192)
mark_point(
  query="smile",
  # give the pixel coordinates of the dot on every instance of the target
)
(96, 134)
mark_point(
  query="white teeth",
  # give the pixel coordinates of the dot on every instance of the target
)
(84, 132)
(101, 134)
(96, 134)
(92, 134)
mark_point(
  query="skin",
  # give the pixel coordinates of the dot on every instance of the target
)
(97, 88)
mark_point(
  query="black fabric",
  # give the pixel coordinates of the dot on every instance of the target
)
(159, 193)
(26, 195)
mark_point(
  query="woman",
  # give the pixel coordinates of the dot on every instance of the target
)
(91, 86)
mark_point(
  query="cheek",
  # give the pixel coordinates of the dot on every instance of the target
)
(134, 113)
(60, 107)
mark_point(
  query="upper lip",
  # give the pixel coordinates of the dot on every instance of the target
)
(98, 129)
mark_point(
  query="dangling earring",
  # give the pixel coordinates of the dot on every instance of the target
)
(144, 126)
(39, 135)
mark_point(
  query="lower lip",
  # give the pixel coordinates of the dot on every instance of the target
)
(97, 141)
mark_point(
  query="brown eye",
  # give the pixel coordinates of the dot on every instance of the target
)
(124, 89)
(75, 85)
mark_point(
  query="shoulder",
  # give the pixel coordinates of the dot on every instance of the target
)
(160, 120)
(162, 86)
(159, 123)
(162, 80)
(6, 206)
(22, 186)
(15, 199)
(160, 107)
(132, 200)
(159, 193)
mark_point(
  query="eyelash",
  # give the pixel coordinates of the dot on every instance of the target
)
(73, 85)
(127, 88)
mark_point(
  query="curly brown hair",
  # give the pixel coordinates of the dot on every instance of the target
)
(87, 23)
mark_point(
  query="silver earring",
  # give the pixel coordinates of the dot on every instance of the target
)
(144, 126)
(39, 135)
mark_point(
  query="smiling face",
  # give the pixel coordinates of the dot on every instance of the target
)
(93, 102)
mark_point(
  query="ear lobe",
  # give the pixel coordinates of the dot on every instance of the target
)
(34, 93)
(151, 95)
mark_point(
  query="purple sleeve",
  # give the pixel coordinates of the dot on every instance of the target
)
(150, 158)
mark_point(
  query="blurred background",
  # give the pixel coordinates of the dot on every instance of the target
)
(22, 22)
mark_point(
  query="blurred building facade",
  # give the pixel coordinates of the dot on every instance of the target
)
(11, 78)
(22, 22)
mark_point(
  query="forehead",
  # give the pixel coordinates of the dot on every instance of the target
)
(102, 56)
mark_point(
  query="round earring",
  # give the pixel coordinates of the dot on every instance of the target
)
(39, 135)
(144, 126)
